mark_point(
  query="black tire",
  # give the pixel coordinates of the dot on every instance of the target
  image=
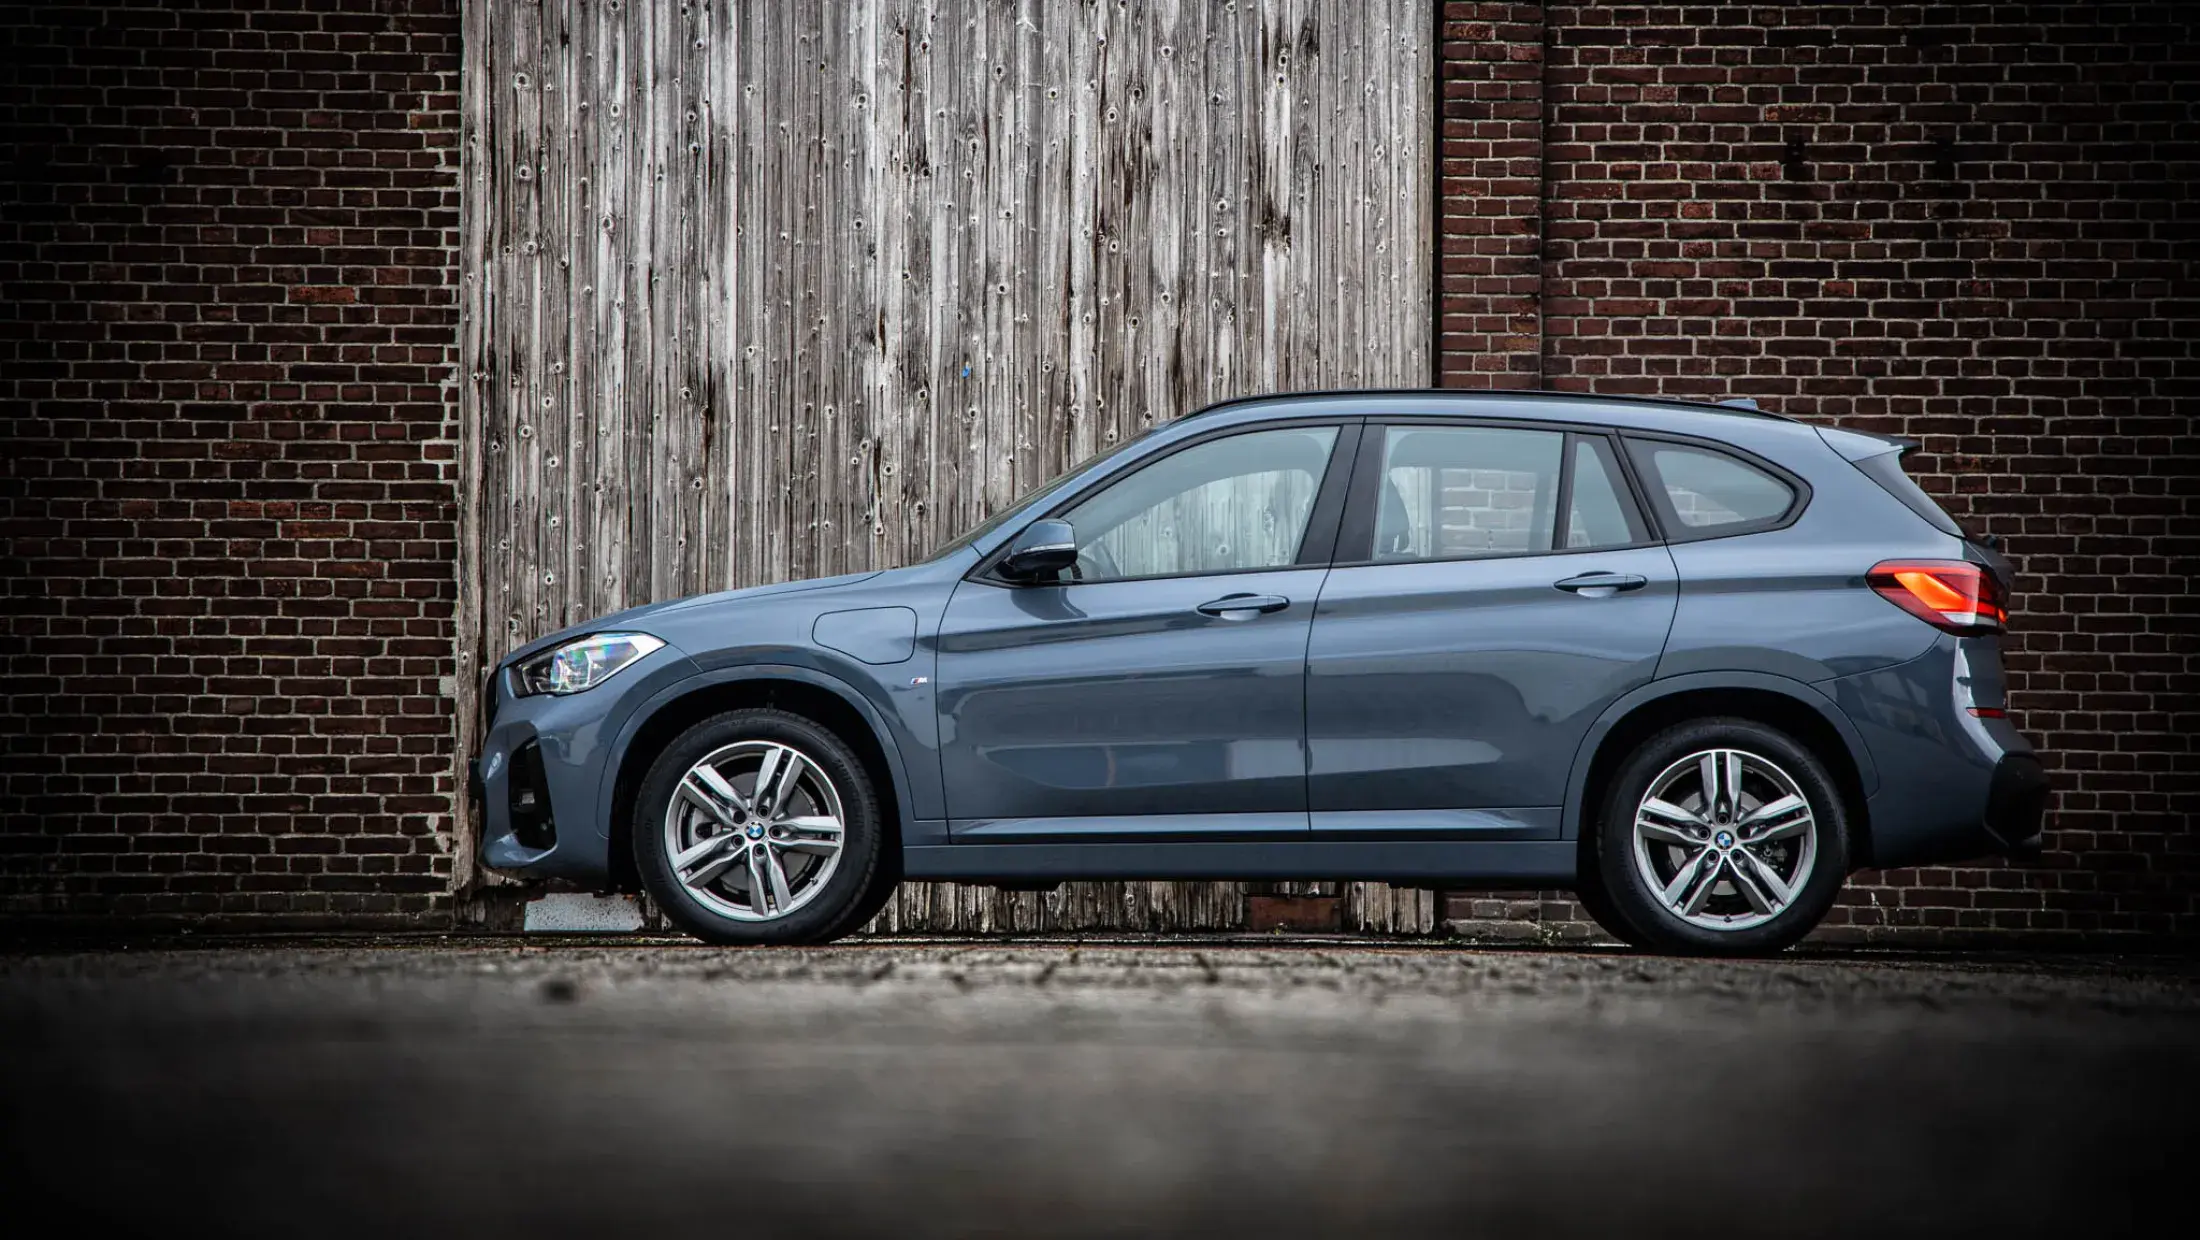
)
(1597, 903)
(1662, 927)
(822, 916)
(885, 880)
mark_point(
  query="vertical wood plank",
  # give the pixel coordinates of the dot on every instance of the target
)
(476, 577)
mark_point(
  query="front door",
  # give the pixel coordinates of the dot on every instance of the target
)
(1505, 591)
(1158, 692)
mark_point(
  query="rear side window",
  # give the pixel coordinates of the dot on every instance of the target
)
(1597, 516)
(1705, 493)
(1454, 491)
(1886, 470)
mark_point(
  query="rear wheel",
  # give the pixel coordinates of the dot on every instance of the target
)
(1722, 837)
(758, 826)
(1597, 903)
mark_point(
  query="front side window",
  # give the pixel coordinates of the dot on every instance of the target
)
(1448, 492)
(1709, 492)
(1226, 505)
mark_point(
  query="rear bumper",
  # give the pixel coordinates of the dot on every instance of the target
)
(1952, 786)
(2016, 804)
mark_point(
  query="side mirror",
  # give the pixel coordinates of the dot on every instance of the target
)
(1044, 548)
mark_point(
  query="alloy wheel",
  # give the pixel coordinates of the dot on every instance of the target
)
(1725, 839)
(754, 830)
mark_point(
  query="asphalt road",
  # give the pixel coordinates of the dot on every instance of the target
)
(920, 1089)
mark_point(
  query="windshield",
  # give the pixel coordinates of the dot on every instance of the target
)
(1055, 483)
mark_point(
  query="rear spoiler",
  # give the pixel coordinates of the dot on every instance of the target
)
(1855, 446)
(1862, 445)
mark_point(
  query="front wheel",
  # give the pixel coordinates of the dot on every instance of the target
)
(758, 826)
(1722, 837)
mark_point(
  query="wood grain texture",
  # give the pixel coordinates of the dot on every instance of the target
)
(759, 291)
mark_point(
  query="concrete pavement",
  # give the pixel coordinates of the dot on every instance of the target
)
(507, 1087)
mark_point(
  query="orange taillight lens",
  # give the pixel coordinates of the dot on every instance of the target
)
(1953, 595)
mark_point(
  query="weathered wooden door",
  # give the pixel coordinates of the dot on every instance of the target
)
(757, 291)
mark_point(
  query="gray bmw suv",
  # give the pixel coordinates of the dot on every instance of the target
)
(1696, 663)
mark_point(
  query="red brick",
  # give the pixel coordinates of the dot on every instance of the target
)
(325, 294)
(1306, 913)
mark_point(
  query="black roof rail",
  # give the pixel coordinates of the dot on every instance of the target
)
(1738, 406)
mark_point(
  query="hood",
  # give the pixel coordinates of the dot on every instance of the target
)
(640, 617)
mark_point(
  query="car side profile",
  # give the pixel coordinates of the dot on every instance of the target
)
(1696, 663)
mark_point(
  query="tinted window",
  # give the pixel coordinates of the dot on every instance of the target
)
(1886, 470)
(1706, 490)
(1453, 491)
(1600, 514)
(1222, 506)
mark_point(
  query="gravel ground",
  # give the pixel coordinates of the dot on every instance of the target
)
(926, 1088)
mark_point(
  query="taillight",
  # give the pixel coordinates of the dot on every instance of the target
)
(1954, 595)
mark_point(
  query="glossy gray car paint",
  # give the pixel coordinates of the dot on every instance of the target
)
(1121, 698)
(880, 636)
(992, 675)
(1434, 688)
(1936, 760)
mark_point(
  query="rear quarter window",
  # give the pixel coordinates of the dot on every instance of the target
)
(1705, 493)
(1886, 470)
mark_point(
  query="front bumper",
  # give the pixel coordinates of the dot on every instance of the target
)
(546, 767)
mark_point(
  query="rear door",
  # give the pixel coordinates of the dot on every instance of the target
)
(1496, 588)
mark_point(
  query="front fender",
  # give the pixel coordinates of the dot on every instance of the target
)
(890, 725)
(1577, 783)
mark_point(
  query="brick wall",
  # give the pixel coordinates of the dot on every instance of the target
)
(1489, 184)
(227, 324)
(1973, 225)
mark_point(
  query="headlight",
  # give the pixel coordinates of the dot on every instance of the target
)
(583, 663)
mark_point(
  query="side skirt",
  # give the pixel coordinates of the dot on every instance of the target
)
(1499, 863)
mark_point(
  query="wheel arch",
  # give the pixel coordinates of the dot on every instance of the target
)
(830, 702)
(1792, 706)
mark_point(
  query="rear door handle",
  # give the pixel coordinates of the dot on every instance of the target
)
(1244, 606)
(1601, 585)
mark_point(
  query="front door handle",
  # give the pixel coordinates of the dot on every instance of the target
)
(1601, 585)
(1244, 606)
